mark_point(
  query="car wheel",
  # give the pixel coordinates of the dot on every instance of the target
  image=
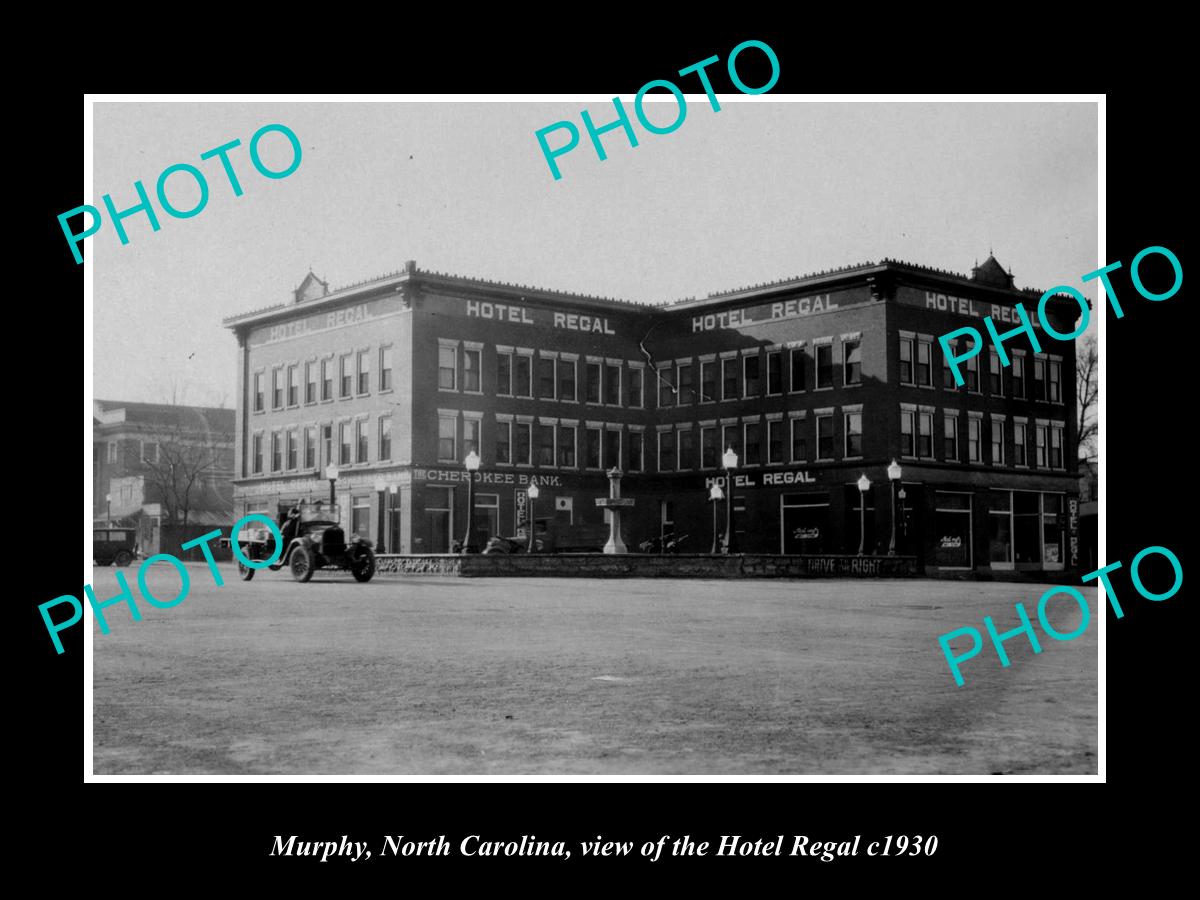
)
(363, 566)
(301, 564)
(244, 571)
(123, 558)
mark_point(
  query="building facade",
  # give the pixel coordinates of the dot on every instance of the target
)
(813, 381)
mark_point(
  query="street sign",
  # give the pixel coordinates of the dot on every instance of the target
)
(609, 502)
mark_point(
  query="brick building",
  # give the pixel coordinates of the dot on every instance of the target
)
(813, 381)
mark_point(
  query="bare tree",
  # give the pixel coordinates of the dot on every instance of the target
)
(178, 473)
(1087, 387)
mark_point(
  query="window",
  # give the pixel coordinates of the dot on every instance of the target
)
(774, 372)
(470, 437)
(1052, 508)
(995, 383)
(612, 447)
(775, 441)
(566, 446)
(799, 440)
(906, 360)
(666, 386)
(947, 374)
(729, 376)
(566, 380)
(524, 446)
(1039, 378)
(666, 450)
(925, 434)
(974, 439)
(799, 361)
(908, 437)
(924, 369)
(752, 443)
(750, 375)
(636, 398)
(824, 437)
(385, 368)
(1055, 370)
(503, 441)
(685, 438)
(1000, 529)
(687, 390)
(447, 438)
(150, 451)
(293, 451)
(344, 443)
(439, 514)
(360, 516)
(997, 442)
(952, 520)
(592, 450)
(854, 434)
(824, 366)
(504, 373)
(472, 366)
(257, 465)
(545, 445)
(950, 436)
(636, 455)
(277, 389)
(1019, 457)
(547, 367)
(361, 442)
(310, 382)
(1018, 375)
(852, 368)
(327, 379)
(258, 391)
(364, 371)
(310, 448)
(523, 375)
(1040, 437)
(276, 451)
(347, 375)
(592, 382)
(612, 385)
(708, 447)
(447, 368)
(973, 374)
(327, 440)
(1056, 447)
(708, 381)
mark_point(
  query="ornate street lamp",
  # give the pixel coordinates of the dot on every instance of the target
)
(864, 485)
(470, 543)
(716, 495)
(108, 508)
(893, 473)
(530, 542)
(731, 460)
(331, 472)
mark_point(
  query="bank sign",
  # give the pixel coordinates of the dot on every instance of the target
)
(454, 476)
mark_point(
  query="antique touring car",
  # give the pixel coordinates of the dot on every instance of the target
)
(312, 539)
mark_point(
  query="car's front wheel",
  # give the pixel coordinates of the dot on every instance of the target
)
(302, 564)
(362, 567)
(123, 558)
(244, 571)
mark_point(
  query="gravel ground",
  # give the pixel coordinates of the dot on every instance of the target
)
(410, 676)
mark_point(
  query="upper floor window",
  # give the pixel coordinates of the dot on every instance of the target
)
(997, 442)
(310, 382)
(729, 379)
(708, 381)
(687, 392)
(925, 434)
(636, 387)
(547, 370)
(666, 386)
(798, 363)
(258, 391)
(347, 376)
(447, 439)
(854, 434)
(471, 369)
(277, 389)
(775, 441)
(1054, 369)
(824, 365)
(385, 368)
(852, 367)
(1019, 444)
(523, 374)
(924, 367)
(824, 437)
(974, 439)
(566, 380)
(504, 360)
(364, 371)
(327, 379)
(1056, 447)
(906, 360)
(447, 368)
(257, 464)
(360, 435)
(1039, 378)
(636, 451)
(950, 437)
(471, 444)
(750, 374)
(612, 384)
(592, 375)
(995, 381)
(709, 450)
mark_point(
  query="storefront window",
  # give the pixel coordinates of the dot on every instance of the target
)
(1052, 511)
(953, 522)
(439, 517)
(487, 516)
(1000, 529)
(360, 516)
(806, 522)
(1027, 532)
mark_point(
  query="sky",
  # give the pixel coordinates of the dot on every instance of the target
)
(761, 190)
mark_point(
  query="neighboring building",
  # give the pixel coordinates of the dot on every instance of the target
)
(155, 465)
(1089, 513)
(813, 381)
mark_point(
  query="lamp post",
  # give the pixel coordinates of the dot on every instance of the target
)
(530, 540)
(893, 473)
(716, 495)
(864, 485)
(731, 460)
(381, 489)
(108, 508)
(470, 542)
(331, 472)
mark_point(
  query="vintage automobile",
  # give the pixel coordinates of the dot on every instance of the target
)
(114, 545)
(313, 539)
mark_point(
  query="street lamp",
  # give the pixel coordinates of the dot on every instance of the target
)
(381, 489)
(470, 542)
(731, 460)
(716, 495)
(893, 473)
(864, 485)
(331, 472)
(108, 508)
(532, 493)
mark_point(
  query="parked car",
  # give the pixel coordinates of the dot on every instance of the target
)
(114, 545)
(313, 539)
(554, 538)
